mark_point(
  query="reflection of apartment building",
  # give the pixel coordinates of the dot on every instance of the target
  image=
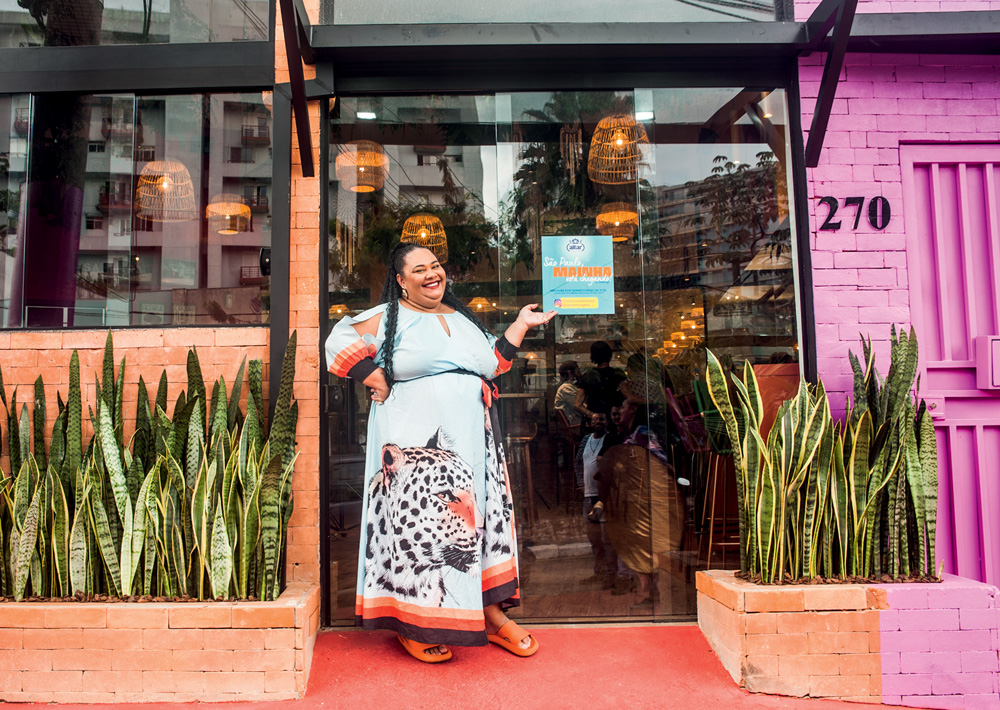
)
(127, 258)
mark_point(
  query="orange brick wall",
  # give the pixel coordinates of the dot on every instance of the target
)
(131, 652)
(820, 641)
(303, 528)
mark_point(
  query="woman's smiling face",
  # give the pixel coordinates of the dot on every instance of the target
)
(423, 278)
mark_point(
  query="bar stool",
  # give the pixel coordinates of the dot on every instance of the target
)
(519, 435)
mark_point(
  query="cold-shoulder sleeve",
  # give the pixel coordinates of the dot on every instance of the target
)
(349, 354)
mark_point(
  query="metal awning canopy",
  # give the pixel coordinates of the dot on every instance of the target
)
(358, 46)
(579, 55)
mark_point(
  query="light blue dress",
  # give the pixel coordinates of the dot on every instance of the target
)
(438, 541)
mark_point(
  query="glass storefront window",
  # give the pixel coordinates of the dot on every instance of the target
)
(361, 12)
(92, 22)
(683, 195)
(134, 210)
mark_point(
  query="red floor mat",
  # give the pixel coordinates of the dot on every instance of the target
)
(577, 668)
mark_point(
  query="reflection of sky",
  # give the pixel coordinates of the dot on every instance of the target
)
(678, 164)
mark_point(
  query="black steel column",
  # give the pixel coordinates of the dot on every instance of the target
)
(281, 186)
(803, 247)
(325, 611)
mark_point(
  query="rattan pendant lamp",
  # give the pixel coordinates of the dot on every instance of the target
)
(361, 166)
(165, 192)
(616, 150)
(619, 219)
(427, 231)
(228, 214)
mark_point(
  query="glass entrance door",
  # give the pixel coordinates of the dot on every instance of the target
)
(656, 222)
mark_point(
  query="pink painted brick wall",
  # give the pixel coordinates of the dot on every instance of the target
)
(804, 7)
(860, 277)
(939, 645)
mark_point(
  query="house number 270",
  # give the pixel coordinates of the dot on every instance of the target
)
(879, 212)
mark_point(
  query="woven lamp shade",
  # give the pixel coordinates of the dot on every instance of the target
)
(361, 166)
(427, 231)
(615, 150)
(619, 219)
(165, 192)
(228, 214)
(688, 325)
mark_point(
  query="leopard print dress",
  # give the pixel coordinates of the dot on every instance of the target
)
(438, 541)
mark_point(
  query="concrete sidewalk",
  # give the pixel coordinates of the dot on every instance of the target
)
(577, 668)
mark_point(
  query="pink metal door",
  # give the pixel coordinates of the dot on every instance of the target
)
(953, 265)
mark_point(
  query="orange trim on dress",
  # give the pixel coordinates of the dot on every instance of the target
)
(349, 357)
(457, 619)
(504, 571)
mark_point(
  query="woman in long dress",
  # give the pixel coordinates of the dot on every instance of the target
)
(438, 556)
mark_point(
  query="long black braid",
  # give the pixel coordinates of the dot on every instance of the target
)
(392, 292)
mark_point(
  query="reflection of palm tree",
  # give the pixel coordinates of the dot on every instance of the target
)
(550, 192)
(544, 185)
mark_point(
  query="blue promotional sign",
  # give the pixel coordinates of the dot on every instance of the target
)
(578, 274)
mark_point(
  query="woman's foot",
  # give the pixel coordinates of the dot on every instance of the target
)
(504, 632)
(428, 653)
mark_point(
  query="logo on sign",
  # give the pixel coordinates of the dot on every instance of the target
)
(575, 245)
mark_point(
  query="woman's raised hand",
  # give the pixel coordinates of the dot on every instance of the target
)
(531, 318)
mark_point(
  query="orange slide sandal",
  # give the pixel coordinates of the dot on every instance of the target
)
(509, 636)
(419, 650)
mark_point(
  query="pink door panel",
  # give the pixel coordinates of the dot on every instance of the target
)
(953, 264)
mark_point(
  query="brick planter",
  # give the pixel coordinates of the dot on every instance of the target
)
(183, 652)
(921, 645)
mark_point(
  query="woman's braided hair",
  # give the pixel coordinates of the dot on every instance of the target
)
(392, 292)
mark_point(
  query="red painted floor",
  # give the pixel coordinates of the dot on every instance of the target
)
(580, 668)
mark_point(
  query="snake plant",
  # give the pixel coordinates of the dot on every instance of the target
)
(195, 503)
(819, 497)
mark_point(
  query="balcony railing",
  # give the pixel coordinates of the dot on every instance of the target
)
(118, 130)
(258, 203)
(256, 135)
(21, 122)
(110, 203)
(250, 276)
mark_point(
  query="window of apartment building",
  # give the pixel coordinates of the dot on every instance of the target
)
(124, 209)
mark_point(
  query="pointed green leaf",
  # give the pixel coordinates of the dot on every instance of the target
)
(26, 546)
(222, 555)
